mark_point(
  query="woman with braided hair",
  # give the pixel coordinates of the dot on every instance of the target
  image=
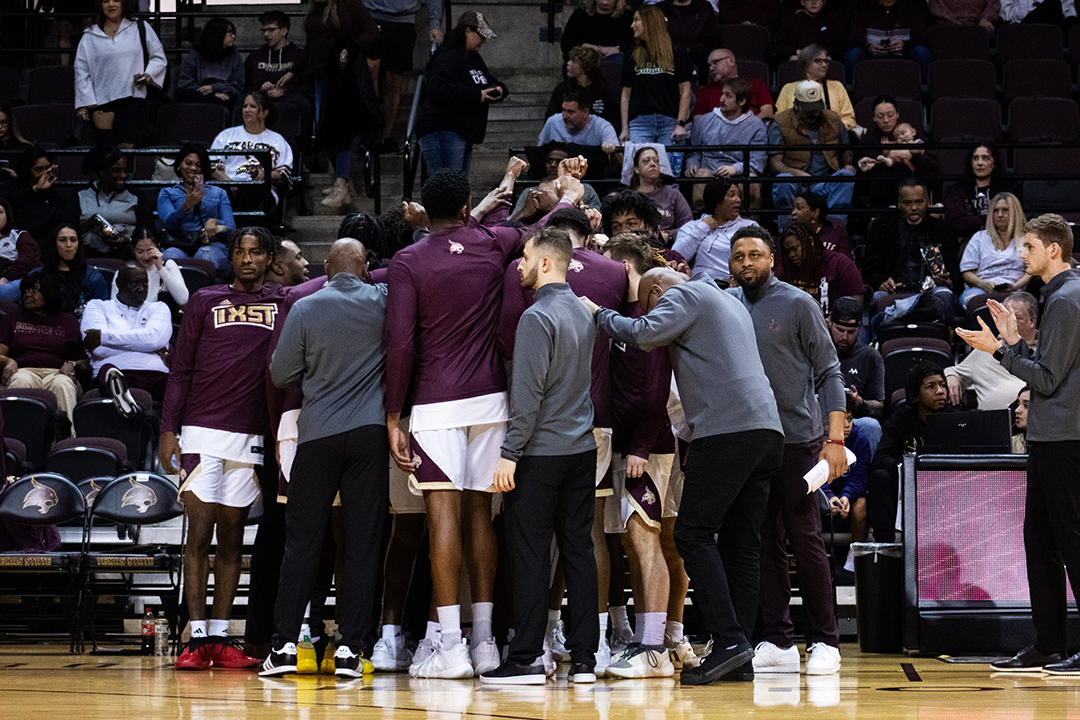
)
(826, 274)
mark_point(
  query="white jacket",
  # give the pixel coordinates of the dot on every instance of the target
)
(105, 67)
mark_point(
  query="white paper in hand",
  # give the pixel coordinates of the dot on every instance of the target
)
(819, 474)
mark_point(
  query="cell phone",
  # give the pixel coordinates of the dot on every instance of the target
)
(200, 181)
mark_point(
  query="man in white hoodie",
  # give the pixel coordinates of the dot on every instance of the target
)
(730, 124)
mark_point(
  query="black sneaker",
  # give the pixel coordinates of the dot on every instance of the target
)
(581, 673)
(1028, 660)
(743, 673)
(347, 663)
(1071, 666)
(718, 663)
(510, 673)
(280, 661)
(118, 389)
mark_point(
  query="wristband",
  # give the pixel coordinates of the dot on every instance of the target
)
(830, 441)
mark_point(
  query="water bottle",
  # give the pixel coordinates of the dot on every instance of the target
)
(161, 635)
(148, 632)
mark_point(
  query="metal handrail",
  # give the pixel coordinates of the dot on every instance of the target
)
(410, 155)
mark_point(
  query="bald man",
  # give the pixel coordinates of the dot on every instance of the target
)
(736, 446)
(342, 448)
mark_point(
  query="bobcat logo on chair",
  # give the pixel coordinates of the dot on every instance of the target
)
(141, 496)
(92, 495)
(43, 497)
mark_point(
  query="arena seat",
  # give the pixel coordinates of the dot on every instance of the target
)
(1043, 119)
(959, 42)
(901, 354)
(50, 85)
(1036, 78)
(32, 417)
(83, 457)
(179, 123)
(965, 119)
(962, 78)
(46, 124)
(96, 415)
(899, 78)
(746, 40)
(1021, 41)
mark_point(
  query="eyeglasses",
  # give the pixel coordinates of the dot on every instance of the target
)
(822, 61)
(719, 60)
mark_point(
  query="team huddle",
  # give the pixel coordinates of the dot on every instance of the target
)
(579, 390)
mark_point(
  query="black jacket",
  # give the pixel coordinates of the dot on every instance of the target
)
(882, 252)
(454, 80)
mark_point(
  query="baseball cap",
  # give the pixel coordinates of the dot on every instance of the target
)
(475, 20)
(809, 95)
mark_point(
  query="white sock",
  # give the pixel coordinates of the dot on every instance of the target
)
(674, 631)
(450, 624)
(619, 623)
(481, 621)
(654, 624)
(553, 619)
(218, 628)
(198, 628)
(639, 629)
(509, 634)
(389, 632)
(432, 633)
(603, 625)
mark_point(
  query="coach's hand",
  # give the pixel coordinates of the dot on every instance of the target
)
(589, 304)
(504, 475)
(635, 466)
(169, 448)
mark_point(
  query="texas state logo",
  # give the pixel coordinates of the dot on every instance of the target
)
(43, 497)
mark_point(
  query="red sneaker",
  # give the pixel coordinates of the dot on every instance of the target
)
(227, 654)
(197, 655)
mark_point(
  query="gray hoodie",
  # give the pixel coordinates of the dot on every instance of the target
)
(713, 128)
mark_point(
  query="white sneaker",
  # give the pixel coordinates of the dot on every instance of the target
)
(448, 663)
(824, 660)
(424, 650)
(619, 642)
(642, 661)
(682, 653)
(391, 656)
(769, 658)
(485, 656)
(549, 660)
(556, 640)
(603, 657)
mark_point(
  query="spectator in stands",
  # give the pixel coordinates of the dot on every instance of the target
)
(813, 209)
(272, 68)
(861, 365)
(397, 28)
(693, 25)
(1019, 440)
(64, 260)
(706, 243)
(847, 493)
(991, 260)
(213, 71)
(926, 394)
(905, 247)
(257, 111)
(723, 65)
(1038, 11)
(40, 343)
(460, 88)
(887, 28)
(655, 84)
(809, 124)
(197, 217)
(576, 124)
(670, 204)
(730, 124)
(108, 211)
(884, 178)
(10, 137)
(995, 388)
(341, 34)
(19, 252)
(583, 73)
(114, 68)
(967, 202)
(40, 203)
(813, 65)
(812, 25)
(163, 276)
(126, 338)
(967, 12)
(603, 25)
(826, 275)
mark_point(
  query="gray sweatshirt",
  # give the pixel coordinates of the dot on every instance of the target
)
(342, 380)
(404, 11)
(710, 339)
(798, 354)
(1053, 368)
(551, 412)
(713, 128)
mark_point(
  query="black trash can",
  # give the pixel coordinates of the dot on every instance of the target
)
(879, 595)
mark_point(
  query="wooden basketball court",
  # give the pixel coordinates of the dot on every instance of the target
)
(43, 681)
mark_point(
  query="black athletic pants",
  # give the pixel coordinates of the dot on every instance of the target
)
(718, 531)
(356, 464)
(1052, 537)
(554, 494)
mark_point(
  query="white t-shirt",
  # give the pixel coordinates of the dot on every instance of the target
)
(989, 263)
(237, 138)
